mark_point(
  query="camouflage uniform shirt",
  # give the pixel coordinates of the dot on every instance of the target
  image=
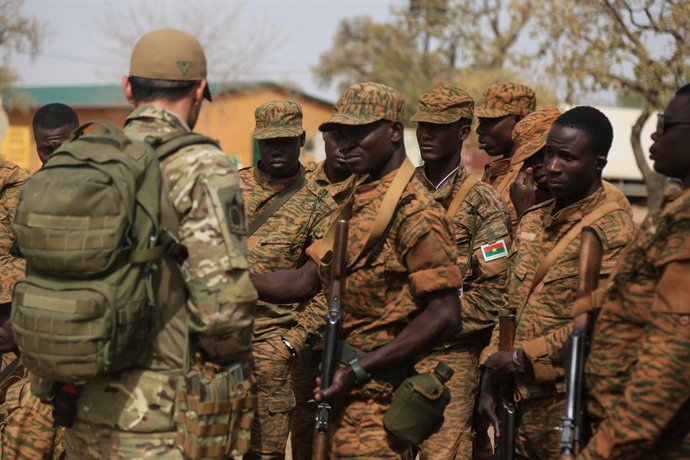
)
(481, 219)
(637, 372)
(417, 257)
(281, 241)
(545, 318)
(11, 179)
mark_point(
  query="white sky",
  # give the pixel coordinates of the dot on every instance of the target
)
(75, 51)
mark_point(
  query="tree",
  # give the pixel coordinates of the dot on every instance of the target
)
(235, 44)
(18, 34)
(640, 48)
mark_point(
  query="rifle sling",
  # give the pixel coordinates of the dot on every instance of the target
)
(6, 372)
(565, 241)
(459, 197)
(383, 217)
(278, 200)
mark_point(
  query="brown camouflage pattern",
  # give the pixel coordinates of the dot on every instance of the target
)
(529, 134)
(276, 398)
(545, 321)
(11, 268)
(443, 105)
(536, 436)
(131, 414)
(278, 119)
(364, 103)
(280, 243)
(637, 373)
(26, 423)
(417, 257)
(503, 99)
(500, 174)
(481, 219)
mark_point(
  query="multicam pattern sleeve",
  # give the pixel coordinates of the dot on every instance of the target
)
(637, 371)
(204, 187)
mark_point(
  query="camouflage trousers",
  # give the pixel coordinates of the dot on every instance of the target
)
(276, 399)
(26, 431)
(537, 435)
(91, 441)
(306, 370)
(358, 431)
(454, 439)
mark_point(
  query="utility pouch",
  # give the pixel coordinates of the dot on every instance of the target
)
(215, 409)
(416, 411)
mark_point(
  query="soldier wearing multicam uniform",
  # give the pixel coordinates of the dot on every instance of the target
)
(637, 372)
(575, 155)
(401, 296)
(480, 220)
(132, 414)
(500, 108)
(278, 243)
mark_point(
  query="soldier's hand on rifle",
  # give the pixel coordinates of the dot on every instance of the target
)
(343, 379)
(486, 406)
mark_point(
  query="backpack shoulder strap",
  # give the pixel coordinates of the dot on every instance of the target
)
(565, 241)
(459, 197)
(279, 199)
(172, 142)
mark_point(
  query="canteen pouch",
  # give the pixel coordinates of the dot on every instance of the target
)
(215, 410)
(416, 411)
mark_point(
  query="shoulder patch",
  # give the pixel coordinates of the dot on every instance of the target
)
(494, 251)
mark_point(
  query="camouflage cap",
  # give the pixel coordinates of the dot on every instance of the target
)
(364, 103)
(529, 134)
(503, 99)
(278, 119)
(169, 54)
(443, 105)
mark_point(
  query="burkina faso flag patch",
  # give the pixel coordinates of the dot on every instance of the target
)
(494, 251)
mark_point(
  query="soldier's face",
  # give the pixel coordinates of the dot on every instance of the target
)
(48, 140)
(367, 148)
(571, 168)
(669, 151)
(280, 156)
(334, 155)
(495, 135)
(439, 143)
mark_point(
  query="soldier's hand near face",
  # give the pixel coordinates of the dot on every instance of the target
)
(522, 191)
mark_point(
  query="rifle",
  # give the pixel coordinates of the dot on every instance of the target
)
(572, 429)
(505, 443)
(330, 353)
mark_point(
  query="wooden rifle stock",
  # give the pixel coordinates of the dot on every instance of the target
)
(329, 357)
(505, 443)
(578, 345)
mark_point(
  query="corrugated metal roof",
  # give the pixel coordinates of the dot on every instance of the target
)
(112, 96)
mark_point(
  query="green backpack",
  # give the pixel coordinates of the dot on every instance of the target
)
(89, 226)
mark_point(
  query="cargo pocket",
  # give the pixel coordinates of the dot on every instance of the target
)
(281, 402)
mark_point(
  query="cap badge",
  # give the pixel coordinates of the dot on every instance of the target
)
(184, 66)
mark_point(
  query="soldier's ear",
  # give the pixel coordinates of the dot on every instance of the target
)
(464, 132)
(397, 130)
(302, 138)
(127, 89)
(600, 161)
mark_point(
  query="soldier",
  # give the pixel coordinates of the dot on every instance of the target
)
(401, 296)
(501, 107)
(52, 125)
(637, 372)
(131, 414)
(480, 220)
(26, 426)
(529, 138)
(331, 174)
(283, 209)
(542, 278)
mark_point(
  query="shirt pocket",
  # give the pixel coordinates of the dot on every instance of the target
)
(282, 249)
